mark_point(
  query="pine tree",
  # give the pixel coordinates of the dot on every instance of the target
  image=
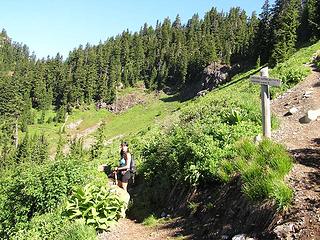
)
(263, 39)
(310, 22)
(96, 149)
(24, 152)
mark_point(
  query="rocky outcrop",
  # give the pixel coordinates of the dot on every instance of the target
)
(215, 74)
(122, 104)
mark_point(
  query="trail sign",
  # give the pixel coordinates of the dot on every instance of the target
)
(265, 82)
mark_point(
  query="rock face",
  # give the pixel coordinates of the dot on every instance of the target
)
(122, 104)
(214, 75)
(211, 77)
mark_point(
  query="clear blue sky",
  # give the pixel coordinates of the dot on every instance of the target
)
(51, 26)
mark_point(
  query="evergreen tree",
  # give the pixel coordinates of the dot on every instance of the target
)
(24, 151)
(286, 23)
(263, 40)
(96, 149)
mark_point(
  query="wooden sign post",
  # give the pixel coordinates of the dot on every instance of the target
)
(265, 82)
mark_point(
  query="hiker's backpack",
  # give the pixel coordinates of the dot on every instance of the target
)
(132, 165)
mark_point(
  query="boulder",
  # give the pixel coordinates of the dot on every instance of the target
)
(123, 195)
(311, 115)
(239, 237)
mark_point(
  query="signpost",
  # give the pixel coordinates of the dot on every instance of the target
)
(265, 82)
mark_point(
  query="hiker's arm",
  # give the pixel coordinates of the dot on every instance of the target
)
(127, 166)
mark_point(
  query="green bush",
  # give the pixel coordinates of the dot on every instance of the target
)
(51, 226)
(35, 189)
(98, 206)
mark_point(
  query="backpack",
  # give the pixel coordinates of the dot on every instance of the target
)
(133, 165)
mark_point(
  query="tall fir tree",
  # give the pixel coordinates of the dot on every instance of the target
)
(286, 22)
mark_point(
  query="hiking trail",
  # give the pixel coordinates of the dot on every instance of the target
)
(302, 220)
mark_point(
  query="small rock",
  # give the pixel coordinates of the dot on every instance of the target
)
(307, 94)
(163, 214)
(311, 115)
(257, 139)
(293, 110)
(240, 237)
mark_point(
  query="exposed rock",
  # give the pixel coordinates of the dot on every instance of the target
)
(122, 104)
(100, 105)
(307, 94)
(257, 139)
(242, 237)
(239, 237)
(214, 75)
(292, 111)
(311, 115)
(284, 231)
(202, 93)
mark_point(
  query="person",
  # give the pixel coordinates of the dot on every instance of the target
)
(123, 171)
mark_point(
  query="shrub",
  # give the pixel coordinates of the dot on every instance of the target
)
(98, 206)
(150, 221)
(263, 168)
(51, 226)
(35, 189)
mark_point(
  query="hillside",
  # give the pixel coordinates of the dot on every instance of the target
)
(179, 95)
(232, 213)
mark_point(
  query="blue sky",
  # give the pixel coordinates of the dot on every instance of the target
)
(51, 26)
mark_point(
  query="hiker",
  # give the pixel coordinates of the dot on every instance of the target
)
(123, 172)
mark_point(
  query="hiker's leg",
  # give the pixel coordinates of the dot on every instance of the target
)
(120, 184)
(125, 180)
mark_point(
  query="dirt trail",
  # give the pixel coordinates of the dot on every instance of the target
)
(127, 229)
(302, 220)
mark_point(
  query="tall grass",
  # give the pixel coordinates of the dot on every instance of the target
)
(263, 168)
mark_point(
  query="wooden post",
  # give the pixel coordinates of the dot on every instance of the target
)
(265, 105)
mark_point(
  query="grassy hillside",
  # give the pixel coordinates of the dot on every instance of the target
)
(178, 146)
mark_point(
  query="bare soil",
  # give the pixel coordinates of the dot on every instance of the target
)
(302, 220)
(127, 229)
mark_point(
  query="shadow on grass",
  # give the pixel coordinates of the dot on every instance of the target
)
(173, 98)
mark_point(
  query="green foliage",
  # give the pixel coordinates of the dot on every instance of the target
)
(96, 149)
(41, 120)
(150, 221)
(193, 150)
(51, 226)
(285, 23)
(263, 168)
(294, 69)
(98, 206)
(35, 189)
